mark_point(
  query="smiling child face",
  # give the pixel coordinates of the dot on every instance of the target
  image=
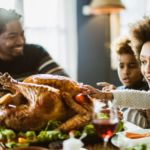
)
(128, 70)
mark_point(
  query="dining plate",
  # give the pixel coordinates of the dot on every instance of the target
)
(114, 140)
(124, 140)
(115, 137)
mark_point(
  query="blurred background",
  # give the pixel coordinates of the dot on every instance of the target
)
(77, 40)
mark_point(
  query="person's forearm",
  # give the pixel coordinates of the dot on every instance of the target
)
(109, 96)
(132, 98)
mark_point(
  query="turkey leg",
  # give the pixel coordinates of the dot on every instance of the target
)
(81, 118)
(32, 92)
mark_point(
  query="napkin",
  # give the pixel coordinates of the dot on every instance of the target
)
(136, 136)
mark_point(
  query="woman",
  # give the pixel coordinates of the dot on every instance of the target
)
(140, 36)
(131, 77)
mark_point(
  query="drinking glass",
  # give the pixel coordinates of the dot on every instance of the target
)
(105, 120)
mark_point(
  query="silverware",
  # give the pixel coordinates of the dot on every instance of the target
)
(2, 147)
(83, 136)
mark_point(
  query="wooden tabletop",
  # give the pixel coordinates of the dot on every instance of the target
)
(97, 146)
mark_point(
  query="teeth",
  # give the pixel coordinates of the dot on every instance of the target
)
(19, 48)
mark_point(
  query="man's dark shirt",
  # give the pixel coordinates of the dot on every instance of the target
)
(35, 60)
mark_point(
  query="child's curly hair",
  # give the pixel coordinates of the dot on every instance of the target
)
(122, 45)
(140, 34)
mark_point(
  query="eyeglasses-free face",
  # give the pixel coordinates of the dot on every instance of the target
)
(12, 41)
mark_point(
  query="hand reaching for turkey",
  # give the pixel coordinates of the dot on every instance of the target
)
(108, 87)
(94, 93)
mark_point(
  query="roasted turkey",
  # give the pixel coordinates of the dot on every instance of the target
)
(41, 98)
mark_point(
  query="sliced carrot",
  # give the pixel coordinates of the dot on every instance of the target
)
(22, 140)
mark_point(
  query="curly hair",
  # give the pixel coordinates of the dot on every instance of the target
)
(140, 34)
(122, 45)
(7, 16)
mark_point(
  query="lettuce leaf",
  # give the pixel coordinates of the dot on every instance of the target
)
(28, 134)
(13, 144)
(51, 135)
(7, 134)
(120, 126)
(51, 125)
(102, 116)
(89, 129)
(77, 134)
(22, 134)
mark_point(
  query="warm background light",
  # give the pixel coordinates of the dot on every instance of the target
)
(103, 7)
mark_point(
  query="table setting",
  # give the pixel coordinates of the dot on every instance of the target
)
(93, 142)
(48, 108)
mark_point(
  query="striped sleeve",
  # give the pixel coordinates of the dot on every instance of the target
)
(49, 66)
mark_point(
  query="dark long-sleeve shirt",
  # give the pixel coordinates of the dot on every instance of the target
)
(35, 60)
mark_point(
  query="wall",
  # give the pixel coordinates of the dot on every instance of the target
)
(92, 60)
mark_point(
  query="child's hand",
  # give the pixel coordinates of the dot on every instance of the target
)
(108, 87)
(94, 93)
